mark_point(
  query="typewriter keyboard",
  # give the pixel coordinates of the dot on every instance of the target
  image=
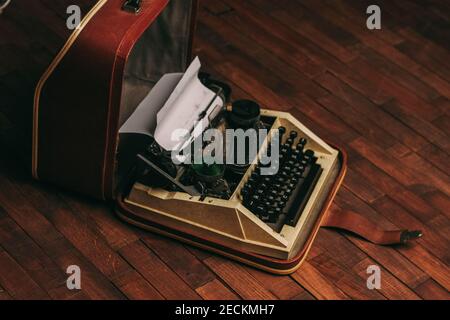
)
(281, 198)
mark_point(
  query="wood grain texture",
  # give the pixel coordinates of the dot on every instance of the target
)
(384, 96)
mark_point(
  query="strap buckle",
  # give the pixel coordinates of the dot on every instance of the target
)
(132, 6)
(407, 235)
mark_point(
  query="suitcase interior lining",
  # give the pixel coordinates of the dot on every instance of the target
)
(163, 48)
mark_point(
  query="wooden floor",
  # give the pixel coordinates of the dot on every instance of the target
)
(382, 95)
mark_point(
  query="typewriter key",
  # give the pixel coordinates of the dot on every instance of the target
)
(302, 142)
(309, 154)
(282, 131)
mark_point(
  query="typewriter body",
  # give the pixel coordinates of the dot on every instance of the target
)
(263, 201)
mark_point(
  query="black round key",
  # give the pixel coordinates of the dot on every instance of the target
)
(251, 181)
(293, 134)
(276, 186)
(259, 192)
(296, 153)
(285, 175)
(290, 141)
(272, 214)
(281, 131)
(284, 150)
(303, 141)
(249, 203)
(267, 180)
(276, 205)
(256, 198)
(309, 154)
(260, 209)
(245, 192)
(290, 185)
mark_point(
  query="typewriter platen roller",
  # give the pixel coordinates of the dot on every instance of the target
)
(238, 203)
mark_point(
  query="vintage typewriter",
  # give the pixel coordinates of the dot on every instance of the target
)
(259, 199)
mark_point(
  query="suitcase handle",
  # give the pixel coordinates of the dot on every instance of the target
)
(133, 6)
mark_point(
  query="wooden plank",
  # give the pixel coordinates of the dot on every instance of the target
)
(395, 72)
(113, 231)
(317, 284)
(159, 275)
(385, 49)
(436, 156)
(408, 100)
(357, 120)
(405, 211)
(363, 188)
(428, 47)
(396, 169)
(215, 290)
(55, 245)
(223, 34)
(389, 257)
(439, 200)
(366, 109)
(391, 287)
(17, 282)
(352, 284)
(4, 295)
(424, 128)
(135, 287)
(180, 260)
(284, 288)
(244, 284)
(431, 290)
(264, 24)
(436, 264)
(32, 259)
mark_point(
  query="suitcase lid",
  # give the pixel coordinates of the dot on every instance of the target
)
(107, 66)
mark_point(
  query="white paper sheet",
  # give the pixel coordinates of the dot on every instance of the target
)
(175, 102)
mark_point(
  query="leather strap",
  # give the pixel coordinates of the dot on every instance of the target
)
(360, 225)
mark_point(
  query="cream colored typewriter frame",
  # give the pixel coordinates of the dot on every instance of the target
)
(227, 221)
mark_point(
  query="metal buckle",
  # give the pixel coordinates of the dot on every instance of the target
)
(410, 235)
(133, 6)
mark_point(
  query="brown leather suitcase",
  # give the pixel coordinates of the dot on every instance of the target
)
(77, 88)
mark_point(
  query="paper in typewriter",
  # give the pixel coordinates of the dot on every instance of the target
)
(175, 103)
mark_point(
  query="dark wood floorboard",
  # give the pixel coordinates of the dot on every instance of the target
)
(384, 96)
